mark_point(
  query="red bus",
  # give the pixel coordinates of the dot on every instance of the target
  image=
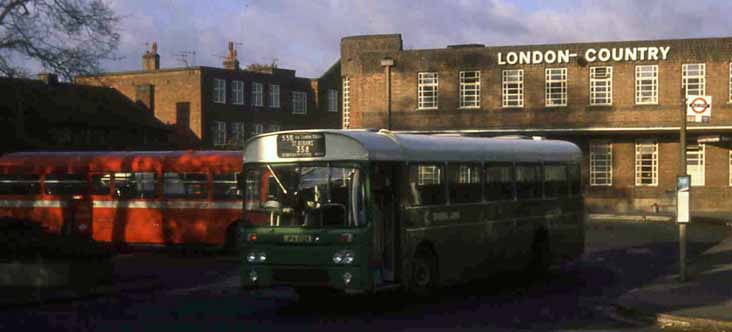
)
(127, 197)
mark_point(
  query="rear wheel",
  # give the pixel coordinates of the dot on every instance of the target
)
(424, 277)
(541, 257)
(233, 237)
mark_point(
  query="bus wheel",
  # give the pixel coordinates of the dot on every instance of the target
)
(424, 273)
(233, 237)
(540, 255)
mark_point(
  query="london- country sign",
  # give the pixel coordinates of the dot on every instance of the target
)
(617, 54)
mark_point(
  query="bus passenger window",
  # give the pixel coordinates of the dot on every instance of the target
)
(528, 181)
(425, 185)
(226, 186)
(101, 183)
(65, 184)
(574, 179)
(20, 184)
(499, 182)
(464, 183)
(555, 181)
(185, 185)
(134, 185)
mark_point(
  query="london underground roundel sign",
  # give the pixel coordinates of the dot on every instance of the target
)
(699, 108)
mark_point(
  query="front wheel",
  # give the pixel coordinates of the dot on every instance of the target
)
(424, 277)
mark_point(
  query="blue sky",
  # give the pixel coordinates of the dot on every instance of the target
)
(305, 34)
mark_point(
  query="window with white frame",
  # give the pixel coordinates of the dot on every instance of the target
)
(427, 86)
(346, 102)
(555, 92)
(332, 100)
(299, 102)
(219, 91)
(237, 92)
(218, 131)
(258, 128)
(601, 163)
(692, 79)
(257, 94)
(646, 84)
(274, 96)
(513, 88)
(470, 89)
(695, 163)
(468, 174)
(601, 85)
(236, 133)
(428, 175)
(646, 163)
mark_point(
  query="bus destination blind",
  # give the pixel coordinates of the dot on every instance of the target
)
(300, 145)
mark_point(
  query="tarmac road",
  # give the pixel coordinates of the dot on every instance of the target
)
(201, 293)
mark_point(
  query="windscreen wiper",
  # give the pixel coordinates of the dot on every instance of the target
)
(277, 179)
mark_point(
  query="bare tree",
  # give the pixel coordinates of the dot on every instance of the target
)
(67, 37)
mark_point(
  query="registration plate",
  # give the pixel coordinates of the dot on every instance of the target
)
(297, 238)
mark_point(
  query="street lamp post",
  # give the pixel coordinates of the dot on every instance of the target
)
(387, 63)
(682, 172)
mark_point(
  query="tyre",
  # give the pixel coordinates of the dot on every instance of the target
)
(541, 257)
(233, 237)
(424, 277)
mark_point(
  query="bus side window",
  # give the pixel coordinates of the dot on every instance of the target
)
(185, 185)
(574, 179)
(555, 181)
(134, 185)
(528, 181)
(65, 184)
(226, 186)
(426, 185)
(499, 182)
(101, 184)
(464, 183)
(20, 184)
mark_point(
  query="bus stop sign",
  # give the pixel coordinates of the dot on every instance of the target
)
(683, 184)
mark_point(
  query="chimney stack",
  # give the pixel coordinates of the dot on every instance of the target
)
(151, 59)
(231, 62)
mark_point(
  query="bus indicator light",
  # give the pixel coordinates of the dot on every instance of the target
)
(345, 238)
(252, 237)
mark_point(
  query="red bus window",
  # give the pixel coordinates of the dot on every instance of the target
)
(101, 184)
(20, 184)
(185, 185)
(65, 184)
(134, 185)
(226, 186)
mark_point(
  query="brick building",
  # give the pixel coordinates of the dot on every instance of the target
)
(619, 101)
(46, 114)
(221, 107)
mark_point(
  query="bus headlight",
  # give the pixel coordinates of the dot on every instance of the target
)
(338, 257)
(251, 257)
(253, 276)
(262, 257)
(343, 257)
(348, 257)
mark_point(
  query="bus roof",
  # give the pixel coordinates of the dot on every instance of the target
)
(384, 145)
(120, 161)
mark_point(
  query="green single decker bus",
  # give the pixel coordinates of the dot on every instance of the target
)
(366, 210)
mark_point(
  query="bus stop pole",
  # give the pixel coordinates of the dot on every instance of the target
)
(682, 172)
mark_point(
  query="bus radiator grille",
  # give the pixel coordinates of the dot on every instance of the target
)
(309, 276)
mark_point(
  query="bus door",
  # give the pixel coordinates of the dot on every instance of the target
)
(386, 223)
(136, 209)
(102, 207)
(186, 208)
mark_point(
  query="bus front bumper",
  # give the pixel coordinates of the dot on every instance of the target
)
(347, 279)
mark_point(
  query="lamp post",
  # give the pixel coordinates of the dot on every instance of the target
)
(682, 172)
(387, 63)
